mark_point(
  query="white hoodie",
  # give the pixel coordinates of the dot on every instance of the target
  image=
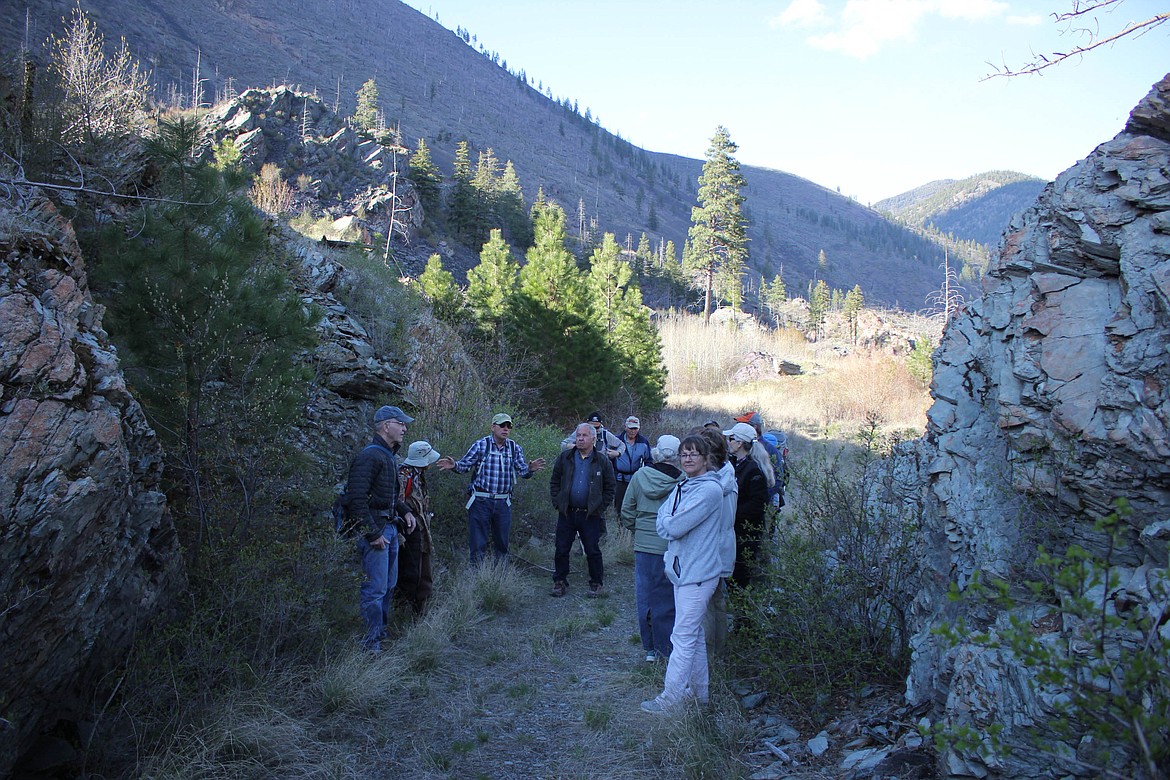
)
(727, 519)
(690, 519)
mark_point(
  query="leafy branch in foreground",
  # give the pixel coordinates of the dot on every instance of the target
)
(1105, 674)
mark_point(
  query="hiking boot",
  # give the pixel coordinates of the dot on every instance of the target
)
(595, 589)
(651, 657)
(559, 589)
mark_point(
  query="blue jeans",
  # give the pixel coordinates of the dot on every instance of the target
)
(569, 526)
(381, 570)
(654, 600)
(489, 517)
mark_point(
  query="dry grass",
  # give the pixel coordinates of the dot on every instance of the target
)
(838, 390)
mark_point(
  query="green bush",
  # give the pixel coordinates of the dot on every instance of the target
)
(831, 611)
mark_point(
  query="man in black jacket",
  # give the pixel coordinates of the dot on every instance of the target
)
(372, 501)
(582, 486)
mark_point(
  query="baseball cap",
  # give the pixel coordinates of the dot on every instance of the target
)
(741, 431)
(751, 418)
(501, 418)
(392, 413)
(633, 422)
(594, 417)
(667, 447)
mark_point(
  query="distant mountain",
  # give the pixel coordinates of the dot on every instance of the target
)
(432, 84)
(977, 208)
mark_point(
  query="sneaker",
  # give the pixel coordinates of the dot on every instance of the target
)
(655, 707)
(651, 657)
(559, 589)
(595, 589)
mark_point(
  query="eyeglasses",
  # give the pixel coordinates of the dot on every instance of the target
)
(686, 455)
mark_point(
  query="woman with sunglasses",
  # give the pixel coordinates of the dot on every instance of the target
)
(691, 522)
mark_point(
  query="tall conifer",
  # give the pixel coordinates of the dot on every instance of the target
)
(427, 178)
(492, 284)
(552, 317)
(718, 233)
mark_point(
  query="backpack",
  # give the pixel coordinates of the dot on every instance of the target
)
(344, 525)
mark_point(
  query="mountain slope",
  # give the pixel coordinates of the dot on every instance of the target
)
(977, 208)
(433, 85)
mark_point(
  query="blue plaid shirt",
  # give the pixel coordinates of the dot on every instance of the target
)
(497, 467)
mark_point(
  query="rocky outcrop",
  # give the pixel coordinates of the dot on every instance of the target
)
(88, 552)
(1051, 400)
(333, 171)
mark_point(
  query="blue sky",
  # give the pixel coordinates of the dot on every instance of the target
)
(873, 97)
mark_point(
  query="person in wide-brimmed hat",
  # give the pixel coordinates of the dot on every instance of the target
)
(415, 584)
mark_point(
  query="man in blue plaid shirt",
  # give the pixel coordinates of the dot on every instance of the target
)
(498, 460)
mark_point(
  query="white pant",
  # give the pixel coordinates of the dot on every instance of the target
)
(687, 672)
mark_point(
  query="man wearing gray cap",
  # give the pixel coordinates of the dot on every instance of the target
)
(371, 495)
(497, 461)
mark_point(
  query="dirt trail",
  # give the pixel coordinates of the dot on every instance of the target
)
(548, 689)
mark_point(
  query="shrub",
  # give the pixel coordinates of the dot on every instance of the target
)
(833, 611)
(270, 192)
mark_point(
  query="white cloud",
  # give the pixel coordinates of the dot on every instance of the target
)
(864, 27)
(868, 25)
(801, 13)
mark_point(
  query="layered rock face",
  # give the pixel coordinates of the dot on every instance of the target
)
(88, 552)
(1051, 401)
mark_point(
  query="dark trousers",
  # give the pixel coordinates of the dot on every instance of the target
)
(414, 572)
(578, 522)
(620, 494)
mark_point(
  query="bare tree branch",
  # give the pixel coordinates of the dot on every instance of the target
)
(1081, 9)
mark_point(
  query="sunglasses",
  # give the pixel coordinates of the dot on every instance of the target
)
(504, 425)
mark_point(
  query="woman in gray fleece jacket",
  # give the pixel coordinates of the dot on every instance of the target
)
(690, 519)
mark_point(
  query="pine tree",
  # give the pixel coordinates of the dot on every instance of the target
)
(773, 297)
(210, 328)
(818, 307)
(626, 325)
(608, 277)
(551, 316)
(427, 178)
(718, 234)
(512, 209)
(854, 301)
(492, 284)
(438, 286)
(463, 206)
(643, 257)
(365, 116)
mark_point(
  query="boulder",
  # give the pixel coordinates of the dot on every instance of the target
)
(1050, 401)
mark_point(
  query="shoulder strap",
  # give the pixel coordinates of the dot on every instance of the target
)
(376, 446)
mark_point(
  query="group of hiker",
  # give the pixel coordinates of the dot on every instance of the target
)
(696, 506)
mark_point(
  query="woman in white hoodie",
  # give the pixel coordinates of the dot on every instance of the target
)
(690, 520)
